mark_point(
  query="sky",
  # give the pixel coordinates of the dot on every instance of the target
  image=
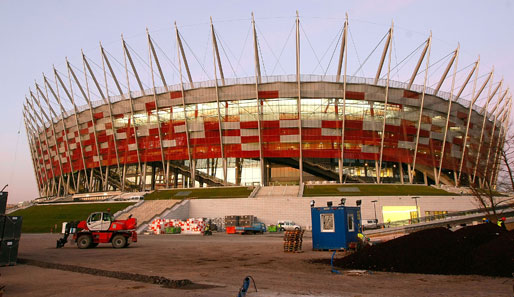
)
(38, 34)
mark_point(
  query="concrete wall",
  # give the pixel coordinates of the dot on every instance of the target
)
(270, 210)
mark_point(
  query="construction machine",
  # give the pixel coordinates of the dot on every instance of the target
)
(100, 227)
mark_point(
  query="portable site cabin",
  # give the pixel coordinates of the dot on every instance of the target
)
(335, 227)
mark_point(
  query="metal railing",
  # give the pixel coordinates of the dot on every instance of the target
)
(279, 78)
(441, 217)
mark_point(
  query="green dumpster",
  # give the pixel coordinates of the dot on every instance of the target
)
(272, 228)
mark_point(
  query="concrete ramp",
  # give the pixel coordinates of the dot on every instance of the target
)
(278, 191)
(148, 209)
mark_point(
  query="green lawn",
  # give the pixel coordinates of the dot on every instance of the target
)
(43, 218)
(372, 190)
(204, 193)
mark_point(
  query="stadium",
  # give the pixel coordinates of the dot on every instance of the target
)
(262, 130)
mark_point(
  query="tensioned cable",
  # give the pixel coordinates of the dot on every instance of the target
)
(356, 51)
(270, 48)
(52, 101)
(409, 55)
(367, 58)
(260, 54)
(310, 44)
(393, 46)
(338, 37)
(81, 72)
(141, 60)
(244, 47)
(216, 35)
(165, 56)
(100, 81)
(458, 71)
(281, 52)
(206, 47)
(196, 58)
(221, 41)
(438, 61)
(120, 70)
(75, 94)
(433, 73)
(238, 65)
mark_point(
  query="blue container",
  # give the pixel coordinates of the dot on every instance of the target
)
(335, 227)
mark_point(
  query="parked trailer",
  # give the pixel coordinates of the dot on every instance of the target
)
(255, 228)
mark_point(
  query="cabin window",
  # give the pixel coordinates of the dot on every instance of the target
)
(351, 225)
(327, 222)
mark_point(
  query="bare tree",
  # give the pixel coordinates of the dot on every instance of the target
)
(491, 201)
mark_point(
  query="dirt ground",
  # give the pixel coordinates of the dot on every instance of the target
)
(217, 266)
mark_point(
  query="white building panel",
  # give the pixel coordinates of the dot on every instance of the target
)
(370, 149)
(406, 144)
(231, 139)
(180, 129)
(288, 123)
(423, 140)
(196, 125)
(311, 123)
(330, 132)
(250, 146)
(249, 132)
(289, 138)
(122, 135)
(372, 125)
(231, 125)
(169, 143)
(197, 134)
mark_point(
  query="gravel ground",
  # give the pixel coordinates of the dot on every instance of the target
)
(216, 265)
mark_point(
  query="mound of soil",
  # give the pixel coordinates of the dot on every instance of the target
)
(484, 249)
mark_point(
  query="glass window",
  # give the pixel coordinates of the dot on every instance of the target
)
(327, 222)
(107, 217)
(351, 225)
(96, 217)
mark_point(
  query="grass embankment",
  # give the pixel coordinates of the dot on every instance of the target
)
(372, 190)
(201, 193)
(44, 218)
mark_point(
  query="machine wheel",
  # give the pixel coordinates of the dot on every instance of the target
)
(119, 241)
(297, 228)
(84, 241)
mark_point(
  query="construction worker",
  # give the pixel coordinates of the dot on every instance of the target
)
(362, 240)
(501, 223)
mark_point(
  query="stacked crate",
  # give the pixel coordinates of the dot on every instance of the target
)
(10, 232)
(232, 221)
(293, 241)
(246, 221)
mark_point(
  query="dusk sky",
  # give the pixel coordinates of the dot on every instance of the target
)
(39, 34)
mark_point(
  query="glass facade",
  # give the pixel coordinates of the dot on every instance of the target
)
(224, 140)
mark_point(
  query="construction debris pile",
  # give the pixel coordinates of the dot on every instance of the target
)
(190, 226)
(293, 241)
(484, 249)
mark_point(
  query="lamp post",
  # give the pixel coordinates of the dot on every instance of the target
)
(375, 207)
(417, 210)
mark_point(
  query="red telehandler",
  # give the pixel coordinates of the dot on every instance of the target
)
(100, 227)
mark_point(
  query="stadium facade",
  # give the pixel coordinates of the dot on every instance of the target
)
(263, 129)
